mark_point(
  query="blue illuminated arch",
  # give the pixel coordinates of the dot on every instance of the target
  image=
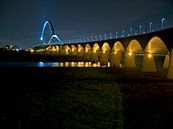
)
(47, 23)
(56, 37)
(50, 25)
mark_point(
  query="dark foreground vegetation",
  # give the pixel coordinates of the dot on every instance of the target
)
(84, 98)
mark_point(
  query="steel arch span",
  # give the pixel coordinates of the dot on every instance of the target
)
(49, 24)
(53, 35)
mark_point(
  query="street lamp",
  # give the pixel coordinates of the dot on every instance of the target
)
(100, 36)
(116, 35)
(92, 39)
(162, 22)
(131, 31)
(150, 26)
(96, 38)
(123, 31)
(105, 36)
(110, 34)
(88, 39)
(140, 29)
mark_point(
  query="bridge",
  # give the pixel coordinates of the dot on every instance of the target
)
(150, 52)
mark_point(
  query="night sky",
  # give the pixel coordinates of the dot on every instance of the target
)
(21, 21)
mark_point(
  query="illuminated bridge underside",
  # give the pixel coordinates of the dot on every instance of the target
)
(150, 55)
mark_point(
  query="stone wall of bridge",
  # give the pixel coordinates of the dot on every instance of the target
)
(150, 52)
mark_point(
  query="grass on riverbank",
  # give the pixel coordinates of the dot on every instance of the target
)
(72, 104)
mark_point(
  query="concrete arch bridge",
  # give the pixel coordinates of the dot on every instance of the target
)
(150, 52)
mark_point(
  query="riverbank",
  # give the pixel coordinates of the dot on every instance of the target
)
(85, 98)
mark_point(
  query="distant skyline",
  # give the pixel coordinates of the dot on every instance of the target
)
(22, 20)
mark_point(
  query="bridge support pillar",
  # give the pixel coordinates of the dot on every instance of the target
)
(170, 70)
(88, 55)
(148, 63)
(104, 58)
(95, 57)
(166, 62)
(115, 59)
(129, 60)
(80, 53)
(73, 53)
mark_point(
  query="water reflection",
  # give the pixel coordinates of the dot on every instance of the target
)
(52, 64)
(70, 64)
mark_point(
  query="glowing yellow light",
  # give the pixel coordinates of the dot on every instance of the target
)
(72, 64)
(104, 51)
(86, 64)
(54, 49)
(80, 64)
(66, 64)
(61, 64)
(149, 55)
(94, 64)
(130, 53)
(94, 51)
(115, 52)
(31, 50)
(109, 64)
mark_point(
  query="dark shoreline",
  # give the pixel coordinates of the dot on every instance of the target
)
(147, 97)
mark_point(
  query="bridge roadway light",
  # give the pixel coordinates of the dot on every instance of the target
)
(131, 31)
(105, 36)
(96, 38)
(116, 34)
(92, 39)
(140, 29)
(84, 40)
(100, 36)
(162, 23)
(123, 31)
(150, 26)
(110, 35)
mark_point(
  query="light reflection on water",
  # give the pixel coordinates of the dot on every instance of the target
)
(52, 64)
(70, 64)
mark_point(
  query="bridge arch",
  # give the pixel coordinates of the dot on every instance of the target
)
(96, 52)
(105, 53)
(133, 50)
(88, 52)
(51, 49)
(54, 37)
(73, 50)
(50, 25)
(116, 54)
(65, 50)
(57, 48)
(80, 50)
(155, 50)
